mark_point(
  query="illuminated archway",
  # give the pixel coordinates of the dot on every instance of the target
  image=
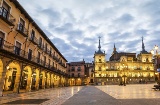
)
(26, 78)
(52, 80)
(48, 80)
(12, 77)
(42, 80)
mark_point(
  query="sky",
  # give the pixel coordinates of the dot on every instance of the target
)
(75, 25)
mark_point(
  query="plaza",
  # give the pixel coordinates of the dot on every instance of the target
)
(137, 94)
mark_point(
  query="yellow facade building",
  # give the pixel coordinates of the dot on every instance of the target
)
(28, 59)
(123, 68)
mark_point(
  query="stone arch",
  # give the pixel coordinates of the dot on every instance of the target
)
(52, 80)
(48, 79)
(27, 77)
(12, 76)
(42, 81)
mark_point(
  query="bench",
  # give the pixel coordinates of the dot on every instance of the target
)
(156, 87)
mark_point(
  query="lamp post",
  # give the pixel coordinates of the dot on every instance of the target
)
(156, 56)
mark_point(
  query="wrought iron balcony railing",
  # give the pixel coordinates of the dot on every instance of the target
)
(7, 17)
(34, 40)
(19, 52)
(22, 30)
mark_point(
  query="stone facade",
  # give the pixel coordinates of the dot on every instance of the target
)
(123, 67)
(28, 59)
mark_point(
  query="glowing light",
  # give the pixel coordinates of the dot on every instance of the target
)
(156, 47)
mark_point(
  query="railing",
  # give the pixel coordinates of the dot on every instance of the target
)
(21, 29)
(40, 45)
(17, 51)
(34, 40)
(7, 16)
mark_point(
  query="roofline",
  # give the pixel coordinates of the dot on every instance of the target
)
(23, 11)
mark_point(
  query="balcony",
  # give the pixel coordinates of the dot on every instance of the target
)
(5, 16)
(22, 30)
(34, 40)
(40, 46)
(14, 51)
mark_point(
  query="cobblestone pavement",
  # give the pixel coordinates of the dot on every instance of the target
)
(141, 94)
(56, 96)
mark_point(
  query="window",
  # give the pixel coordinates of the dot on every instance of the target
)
(100, 60)
(50, 50)
(40, 41)
(30, 54)
(44, 60)
(17, 48)
(46, 47)
(5, 10)
(147, 60)
(21, 25)
(79, 68)
(99, 68)
(73, 68)
(32, 35)
(38, 57)
(79, 74)
(72, 74)
(1, 38)
(53, 64)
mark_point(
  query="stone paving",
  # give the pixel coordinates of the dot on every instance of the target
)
(56, 96)
(141, 94)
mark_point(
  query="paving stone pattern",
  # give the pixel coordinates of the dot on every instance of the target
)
(140, 94)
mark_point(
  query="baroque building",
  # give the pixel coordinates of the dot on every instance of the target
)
(28, 59)
(123, 67)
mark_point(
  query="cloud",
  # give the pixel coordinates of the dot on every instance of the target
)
(75, 25)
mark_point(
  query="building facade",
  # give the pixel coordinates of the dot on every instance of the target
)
(76, 73)
(123, 67)
(28, 59)
(89, 71)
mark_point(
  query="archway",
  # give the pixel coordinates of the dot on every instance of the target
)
(48, 80)
(26, 80)
(55, 80)
(42, 80)
(12, 77)
(52, 80)
(36, 78)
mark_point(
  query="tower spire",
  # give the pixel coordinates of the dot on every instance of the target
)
(143, 47)
(99, 44)
(114, 49)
